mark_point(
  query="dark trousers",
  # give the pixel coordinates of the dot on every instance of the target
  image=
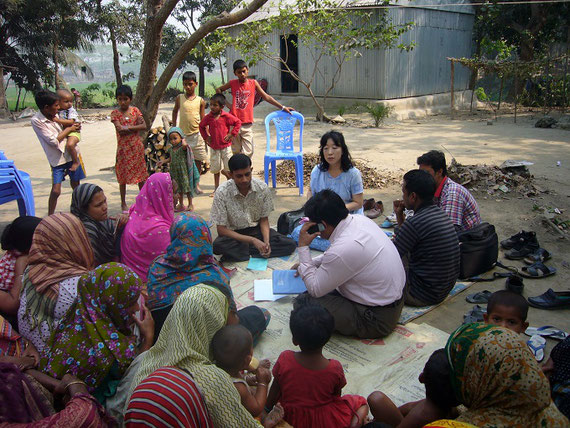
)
(252, 317)
(232, 249)
(354, 319)
(409, 299)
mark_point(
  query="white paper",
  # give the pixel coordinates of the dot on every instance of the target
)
(263, 291)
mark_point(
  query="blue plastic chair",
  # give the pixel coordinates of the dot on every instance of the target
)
(285, 148)
(16, 185)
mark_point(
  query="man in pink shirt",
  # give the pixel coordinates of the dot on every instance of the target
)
(360, 279)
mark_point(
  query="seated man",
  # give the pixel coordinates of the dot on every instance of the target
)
(427, 242)
(240, 210)
(360, 278)
(454, 199)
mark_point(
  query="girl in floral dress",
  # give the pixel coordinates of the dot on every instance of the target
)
(130, 166)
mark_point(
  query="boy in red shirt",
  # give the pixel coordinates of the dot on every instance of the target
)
(215, 129)
(243, 93)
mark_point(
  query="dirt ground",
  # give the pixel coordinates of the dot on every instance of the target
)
(393, 147)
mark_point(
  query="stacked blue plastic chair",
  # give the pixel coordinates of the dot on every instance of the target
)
(285, 148)
(16, 185)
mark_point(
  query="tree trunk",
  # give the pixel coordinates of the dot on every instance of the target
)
(18, 99)
(55, 64)
(116, 64)
(201, 77)
(222, 71)
(148, 94)
(4, 110)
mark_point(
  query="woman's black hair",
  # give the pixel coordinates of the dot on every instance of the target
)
(18, 234)
(338, 139)
(124, 90)
(311, 324)
(95, 191)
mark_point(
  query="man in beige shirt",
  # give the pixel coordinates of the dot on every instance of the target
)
(241, 211)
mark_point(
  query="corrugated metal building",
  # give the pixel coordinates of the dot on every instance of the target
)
(442, 28)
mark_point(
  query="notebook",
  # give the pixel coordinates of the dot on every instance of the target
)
(284, 282)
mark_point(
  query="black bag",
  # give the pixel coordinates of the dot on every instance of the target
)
(289, 221)
(479, 248)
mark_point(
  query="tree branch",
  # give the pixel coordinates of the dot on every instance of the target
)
(164, 12)
(206, 28)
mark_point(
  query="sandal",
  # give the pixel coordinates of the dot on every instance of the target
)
(536, 345)
(474, 315)
(480, 297)
(537, 270)
(540, 255)
(547, 331)
(387, 224)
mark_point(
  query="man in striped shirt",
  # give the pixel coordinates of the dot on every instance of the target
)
(426, 241)
(454, 199)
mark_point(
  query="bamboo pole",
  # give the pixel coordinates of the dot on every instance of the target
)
(516, 91)
(452, 88)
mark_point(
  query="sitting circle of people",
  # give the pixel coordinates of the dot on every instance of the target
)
(134, 319)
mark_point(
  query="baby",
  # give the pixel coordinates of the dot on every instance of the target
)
(67, 117)
(507, 309)
(232, 347)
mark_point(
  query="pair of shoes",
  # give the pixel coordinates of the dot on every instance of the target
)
(368, 204)
(536, 344)
(537, 270)
(520, 245)
(551, 300)
(515, 284)
(375, 211)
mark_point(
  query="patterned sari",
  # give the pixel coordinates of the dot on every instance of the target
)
(95, 331)
(189, 260)
(498, 379)
(184, 342)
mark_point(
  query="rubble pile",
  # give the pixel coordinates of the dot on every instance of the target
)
(494, 180)
(372, 178)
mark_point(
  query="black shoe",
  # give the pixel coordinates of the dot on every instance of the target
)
(519, 240)
(515, 284)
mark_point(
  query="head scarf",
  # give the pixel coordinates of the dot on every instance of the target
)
(177, 130)
(101, 233)
(60, 250)
(498, 379)
(189, 260)
(95, 331)
(560, 376)
(146, 234)
(20, 402)
(184, 342)
(11, 343)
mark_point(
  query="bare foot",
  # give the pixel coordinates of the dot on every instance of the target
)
(212, 194)
(199, 191)
(74, 166)
(179, 208)
(124, 207)
(274, 416)
(190, 208)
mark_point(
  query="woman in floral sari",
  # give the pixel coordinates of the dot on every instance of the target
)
(499, 381)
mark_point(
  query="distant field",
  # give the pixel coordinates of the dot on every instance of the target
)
(212, 81)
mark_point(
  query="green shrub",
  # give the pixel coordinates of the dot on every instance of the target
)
(379, 112)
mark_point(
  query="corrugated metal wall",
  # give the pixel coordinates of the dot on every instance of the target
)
(385, 74)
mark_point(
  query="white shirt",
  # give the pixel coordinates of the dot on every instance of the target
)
(362, 264)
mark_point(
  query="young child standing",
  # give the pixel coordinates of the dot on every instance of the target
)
(439, 402)
(53, 139)
(307, 384)
(182, 168)
(243, 97)
(130, 165)
(507, 309)
(192, 110)
(215, 129)
(67, 116)
(232, 347)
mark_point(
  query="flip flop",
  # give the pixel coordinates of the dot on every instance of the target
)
(537, 270)
(547, 331)
(475, 314)
(536, 344)
(387, 224)
(541, 255)
(480, 297)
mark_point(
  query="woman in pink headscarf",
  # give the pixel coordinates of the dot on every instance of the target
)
(146, 234)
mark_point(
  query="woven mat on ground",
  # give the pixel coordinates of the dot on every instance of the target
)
(391, 365)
